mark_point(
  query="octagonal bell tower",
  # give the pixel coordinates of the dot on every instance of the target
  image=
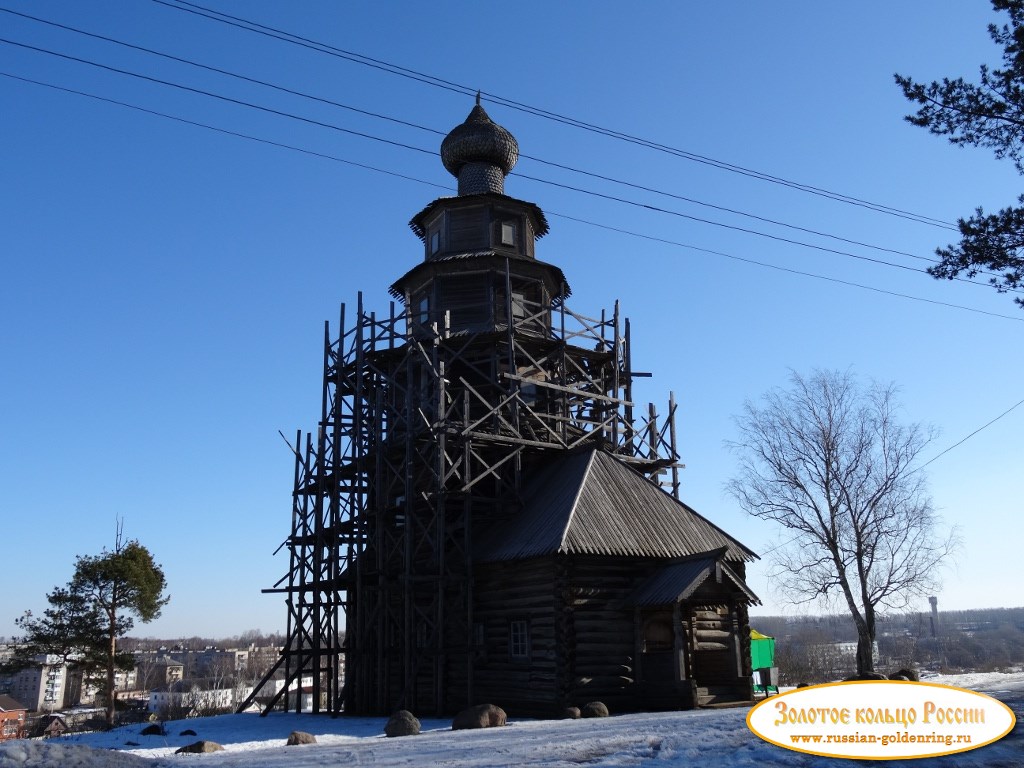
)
(480, 272)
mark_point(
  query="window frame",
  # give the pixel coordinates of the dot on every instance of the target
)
(519, 639)
(509, 228)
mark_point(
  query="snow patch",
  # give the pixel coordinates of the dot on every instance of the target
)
(709, 738)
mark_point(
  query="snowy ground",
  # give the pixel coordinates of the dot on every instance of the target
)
(707, 738)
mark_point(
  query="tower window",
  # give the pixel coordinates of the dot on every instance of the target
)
(435, 241)
(508, 233)
(518, 305)
(423, 310)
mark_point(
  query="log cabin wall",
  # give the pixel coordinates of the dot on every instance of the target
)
(586, 641)
(524, 681)
(582, 638)
(603, 635)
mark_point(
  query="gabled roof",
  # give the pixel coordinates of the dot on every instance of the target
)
(8, 704)
(678, 581)
(592, 502)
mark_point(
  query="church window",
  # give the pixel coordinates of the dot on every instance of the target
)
(423, 310)
(518, 305)
(519, 639)
(508, 233)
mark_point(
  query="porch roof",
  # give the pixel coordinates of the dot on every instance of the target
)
(678, 581)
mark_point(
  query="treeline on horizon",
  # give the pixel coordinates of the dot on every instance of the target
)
(243, 640)
(839, 628)
(978, 640)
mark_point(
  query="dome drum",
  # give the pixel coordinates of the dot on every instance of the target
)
(476, 177)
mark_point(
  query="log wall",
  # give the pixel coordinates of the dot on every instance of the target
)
(506, 592)
(584, 640)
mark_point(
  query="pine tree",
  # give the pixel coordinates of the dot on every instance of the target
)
(98, 605)
(989, 114)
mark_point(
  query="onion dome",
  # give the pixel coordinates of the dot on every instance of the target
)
(479, 153)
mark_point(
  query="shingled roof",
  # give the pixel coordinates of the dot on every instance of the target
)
(593, 503)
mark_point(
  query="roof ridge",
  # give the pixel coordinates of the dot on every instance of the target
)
(576, 501)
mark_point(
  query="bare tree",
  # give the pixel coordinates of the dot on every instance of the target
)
(829, 461)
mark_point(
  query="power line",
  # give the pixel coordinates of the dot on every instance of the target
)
(725, 209)
(979, 429)
(733, 227)
(221, 97)
(421, 77)
(227, 132)
(219, 71)
(403, 145)
(780, 268)
(434, 131)
(325, 156)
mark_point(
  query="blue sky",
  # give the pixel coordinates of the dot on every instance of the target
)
(164, 286)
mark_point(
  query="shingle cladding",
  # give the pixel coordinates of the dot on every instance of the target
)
(674, 582)
(540, 222)
(593, 503)
(475, 260)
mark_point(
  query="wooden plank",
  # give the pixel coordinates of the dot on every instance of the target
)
(583, 393)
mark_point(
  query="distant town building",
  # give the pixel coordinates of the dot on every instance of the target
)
(12, 718)
(179, 662)
(49, 726)
(195, 697)
(157, 670)
(839, 656)
(42, 687)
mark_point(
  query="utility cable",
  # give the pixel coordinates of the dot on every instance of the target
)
(226, 132)
(434, 131)
(733, 227)
(450, 189)
(418, 76)
(725, 209)
(780, 268)
(228, 99)
(403, 145)
(219, 71)
(979, 429)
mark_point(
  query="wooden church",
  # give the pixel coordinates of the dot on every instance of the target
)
(483, 514)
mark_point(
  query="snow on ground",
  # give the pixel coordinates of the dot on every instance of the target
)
(986, 682)
(708, 738)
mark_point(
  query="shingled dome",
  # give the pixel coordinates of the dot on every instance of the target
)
(479, 153)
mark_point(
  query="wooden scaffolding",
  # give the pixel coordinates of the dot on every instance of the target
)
(432, 417)
(425, 435)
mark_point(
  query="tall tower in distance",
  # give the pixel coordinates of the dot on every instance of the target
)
(482, 512)
(934, 602)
